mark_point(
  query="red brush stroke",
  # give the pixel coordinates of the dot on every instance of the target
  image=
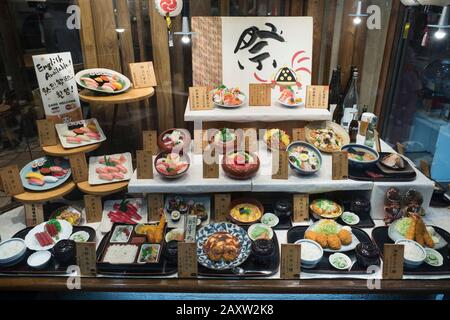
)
(295, 56)
(303, 59)
(168, 5)
(258, 78)
(303, 69)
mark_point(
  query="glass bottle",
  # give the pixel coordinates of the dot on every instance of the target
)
(350, 103)
(354, 128)
(370, 134)
(335, 92)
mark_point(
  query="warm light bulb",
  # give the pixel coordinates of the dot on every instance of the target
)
(185, 39)
(120, 30)
(357, 20)
(440, 34)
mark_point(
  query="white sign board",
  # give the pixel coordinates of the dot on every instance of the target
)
(58, 87)
(272, 50)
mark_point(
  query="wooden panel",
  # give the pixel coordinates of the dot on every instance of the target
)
(125, 38)
(161, 60)
(140, 31)
(243, 7)
(328, 45)
(179, 84)
(297, 7)
(200, 7)
(87, 34)
(315, 9)
(224, 7)
(347, 42)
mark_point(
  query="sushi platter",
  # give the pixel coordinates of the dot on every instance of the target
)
(80, 133)
(110, 168)
(132, 211)
(104, 81)
(45, 173)
(176, 208)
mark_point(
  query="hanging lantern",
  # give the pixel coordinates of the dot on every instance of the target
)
(171, 8)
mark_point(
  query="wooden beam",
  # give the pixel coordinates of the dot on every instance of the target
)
(224, 7)
(125, 38)
(87, 34)
(243, 7)
(347, 43)
(276, 7)
(200, 8)
(140, 31)
(315, 9)
(297, 7)
(178, 70)
(161, 59)
(328, 46)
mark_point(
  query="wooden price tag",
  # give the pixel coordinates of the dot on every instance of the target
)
(149, 141)
(10, 176)
(190, 228)
(393, 262)
(78, 164)
(155, 202)
(87, 258)
(198, 141)
(34, 214)
(250, 140)
(260, 95)
(298, 134)
(340, 165)
(280, 165)
(94, 208)
(144, 161)
(187, 260)
(317, 97)
(221, 207)
(290, 261)
(210, 170)
(47, 133)
(301, 207)
(377, 141)
(200, 99)
(143, 74)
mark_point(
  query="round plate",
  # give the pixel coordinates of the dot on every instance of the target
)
(126, 83)
(261, 225)
(33, 244)
(394, 235)
(347, 248)
(329, 125)
(47, 186)
(204, 233)
(284, 104)
(243, 98)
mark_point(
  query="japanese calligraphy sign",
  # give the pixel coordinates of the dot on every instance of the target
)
(290, 261)
(94, 208)
(280, 165)
(150, 139)
(87, 258)
(144, 160)
(187, 260)
(200, 99)
(143, 74)
(10, 177)
(79, 167)
(301, 207)
(221, 207)
(34, 214)
(317, 97)
(298, 134)
(260, 95)
(47, 133)
(393, 262)
(339, 165)
(58, 87)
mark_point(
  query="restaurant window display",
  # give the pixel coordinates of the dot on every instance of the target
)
(224, 140)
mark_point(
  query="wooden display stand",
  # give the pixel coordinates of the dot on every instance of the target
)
(102, 189)
(44, 196)
(130, 96)
(59, 151)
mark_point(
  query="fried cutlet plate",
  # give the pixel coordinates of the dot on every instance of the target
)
(346, 248)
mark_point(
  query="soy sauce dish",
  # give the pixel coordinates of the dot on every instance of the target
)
(340, 261)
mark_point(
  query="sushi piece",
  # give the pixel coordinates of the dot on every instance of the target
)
(118, 175)
(73, 140)
(36, 182)
(101, 170)
(84, 138)
(89, 82)
(34, 167)
(45, 171)
(69, 134)
(50, 179)
(122, 168)
(112, 169)
(34, 175)
(56, 169)
(93, 135)
(108, 87)
(44, 239)
(106, 176)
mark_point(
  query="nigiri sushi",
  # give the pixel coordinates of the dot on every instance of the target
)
(106, 176)
(34, 175)
(73, 140)
(56, 169)
(89, 82)
(69, 134)
(101, 170)
(118, 175)
(50, 179)
(122, 168)
(108, 87)
(93, 135)
(36, 182)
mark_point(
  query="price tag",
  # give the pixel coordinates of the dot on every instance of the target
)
(393, 262)
(290, 261)
(87, 258)
(143, 74)
(94, 208)
(280, 165)
(10, 177)
(317, 97)
(155, 203)
(34, 214)
(298, 134)
(400, 148)
(200, 99)
(199, 139)
(187, 260)
(191, 228)
(210, 164)
(301, 207)
(340, 165)
(221, 207)
(250, 140)
(47, 133)
(144, 161)
(78, 164)
(377, 141)
(149, 139)
(260, 95)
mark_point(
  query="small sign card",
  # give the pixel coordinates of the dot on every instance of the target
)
(144, 161)
(250, 140)
(47, 133)
(200, 99)
(149, 141)
(155, 203)
(301, 207)
(191, 228)
(393, 262)
(198, 141)
(290, 261)
(210, 164)
(87, 258)
(260, 95)
(317, 97)
(298, 134)
(94, 208)
(340, 165)
(187, 260)
(10, 177)
(280, 165)
(143, 74)
(377, 141)
(34, 214)
(78, 164)
(221, 207)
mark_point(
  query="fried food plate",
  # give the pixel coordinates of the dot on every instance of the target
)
(229, 235)
(344, 248)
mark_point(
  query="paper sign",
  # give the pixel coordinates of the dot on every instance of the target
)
(280, 165)
(200, 99)
(144, 161)
(149, 141)
(340, 165)
(190, 228)
(34, 214)
(87, 258)
(393, 262)
(301, 207)
(143, 74)
(290, 261)
(298, 134)
(94, 208)
(221, 207)
(78, 164)
(10, 177)
(155, 202)
(47, 133)
(58, 87)
(260, 95)
(210, 164)
(187, 260)
(317, 97)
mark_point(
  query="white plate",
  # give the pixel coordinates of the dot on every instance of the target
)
(242, 96)
(347, 248)
(82, 73)
(61, 128)
(94, 164)
(180, 223)
(108, 206)
(284, 104)
(394, 235)
(32, 243)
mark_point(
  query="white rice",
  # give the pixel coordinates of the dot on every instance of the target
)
(10, 249)
(121, 254)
